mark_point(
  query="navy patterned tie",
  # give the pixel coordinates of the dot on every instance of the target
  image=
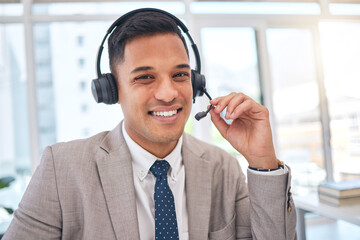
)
(165, 215)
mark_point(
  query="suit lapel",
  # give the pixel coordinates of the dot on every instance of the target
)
(116, 176)
(198, 188)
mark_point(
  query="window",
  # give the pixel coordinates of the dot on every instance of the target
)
(230, 61)
(80, 41)
(14, 129)
(83, 86)
(344, 8)
(341, 51)
(92, 7)
(84, 107)
(11, 9)
(253, 7)
(61, 117)
(296, 106)
(81, 62)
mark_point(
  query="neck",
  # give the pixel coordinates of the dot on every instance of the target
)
(160, 150)
(157, 147)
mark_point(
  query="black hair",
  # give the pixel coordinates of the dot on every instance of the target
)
(139, 25)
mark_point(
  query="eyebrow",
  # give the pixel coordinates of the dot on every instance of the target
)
(146, 68)
(140, 69)
(183, 66)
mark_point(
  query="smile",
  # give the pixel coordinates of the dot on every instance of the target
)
(166, 113)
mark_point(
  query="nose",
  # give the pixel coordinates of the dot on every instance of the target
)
(166, 90)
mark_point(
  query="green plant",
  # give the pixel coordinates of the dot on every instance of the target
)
(4, 183)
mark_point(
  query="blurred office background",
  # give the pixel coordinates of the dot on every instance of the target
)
(300, 58)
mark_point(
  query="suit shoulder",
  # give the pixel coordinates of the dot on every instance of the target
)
(79, 144)
(77, 157)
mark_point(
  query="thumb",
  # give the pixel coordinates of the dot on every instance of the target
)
(219, 123)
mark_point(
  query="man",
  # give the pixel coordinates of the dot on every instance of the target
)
(109, 186)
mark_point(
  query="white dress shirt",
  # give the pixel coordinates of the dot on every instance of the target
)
(144, 182)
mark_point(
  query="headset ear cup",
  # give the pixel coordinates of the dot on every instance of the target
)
(198, 84)
(96, 90)
(113, 93)
(104, 89)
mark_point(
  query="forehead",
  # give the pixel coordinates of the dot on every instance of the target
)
(167, 45)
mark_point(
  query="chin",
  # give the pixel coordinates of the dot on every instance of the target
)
(167, 137)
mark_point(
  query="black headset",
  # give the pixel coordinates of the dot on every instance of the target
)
(104, 88)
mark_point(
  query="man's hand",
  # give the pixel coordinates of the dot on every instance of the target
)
(250, 132)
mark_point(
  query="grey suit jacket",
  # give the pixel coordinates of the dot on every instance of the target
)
(84, 190)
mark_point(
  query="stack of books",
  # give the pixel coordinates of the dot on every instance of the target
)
(340, 193)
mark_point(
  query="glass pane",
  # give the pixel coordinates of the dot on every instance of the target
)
(344, 9)
(11, 9)
(118, 8)
(230, 64)
(341, 51)
(14, 137)
(255, 8)
(65, 66)
(296, 106)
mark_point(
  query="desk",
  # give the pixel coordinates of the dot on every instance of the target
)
(311, 203)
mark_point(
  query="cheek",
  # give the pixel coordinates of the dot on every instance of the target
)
(189, 92)
(186, 89)
(127, 103)
(134, 102)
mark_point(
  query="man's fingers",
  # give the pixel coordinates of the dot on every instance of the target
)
(238, 105)
(230, 102)
(235, 101)
(242, 108)
(219, 123)
(222, 102)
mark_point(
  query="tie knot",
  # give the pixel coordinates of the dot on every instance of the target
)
(160, 168)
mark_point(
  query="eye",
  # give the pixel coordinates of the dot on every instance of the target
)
(144, 79)
(181, 76)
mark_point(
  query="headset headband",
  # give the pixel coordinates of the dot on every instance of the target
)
(126, 16)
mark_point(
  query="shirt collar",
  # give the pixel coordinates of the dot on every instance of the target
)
(142, 160)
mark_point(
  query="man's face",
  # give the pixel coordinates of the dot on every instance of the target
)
(155, 91)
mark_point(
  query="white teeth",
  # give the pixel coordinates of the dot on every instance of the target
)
(165, 114)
